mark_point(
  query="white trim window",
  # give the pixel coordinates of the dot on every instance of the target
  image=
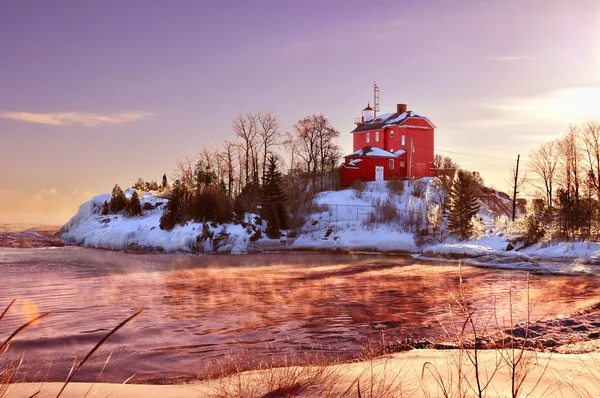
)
(391, 133)
(368, 137)
(377, 136)
(403, 139)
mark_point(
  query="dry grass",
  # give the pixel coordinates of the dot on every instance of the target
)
(266, 381)
(467, 375)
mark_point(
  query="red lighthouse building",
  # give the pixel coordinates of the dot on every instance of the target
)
(389, 146)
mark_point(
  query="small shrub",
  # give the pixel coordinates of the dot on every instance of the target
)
(256, 235)
(359, 187)
(396, 186)
(418, 188)
(221, 236)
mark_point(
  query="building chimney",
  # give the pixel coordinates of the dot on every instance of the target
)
(401, 108)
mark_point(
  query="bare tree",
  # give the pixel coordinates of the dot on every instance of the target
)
(590, 135)
(305, 143)
(543, 163)
(227, 157)
(444, 163)
(184, 172)
(570, 158)
(245, 127)
(269, 134)
(516, 181)
(314, 145)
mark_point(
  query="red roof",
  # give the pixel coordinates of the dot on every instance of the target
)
(368, 108)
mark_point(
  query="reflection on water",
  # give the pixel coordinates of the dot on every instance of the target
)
(253, 308)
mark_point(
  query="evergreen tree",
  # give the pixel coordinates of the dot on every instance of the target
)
(463, 204)
(282, 215)
(105, 208)
(212, 205)
(134, 207)
(174, 209)
(118, 201)
(164, 184)
(238, 211)
(273, 198)
(273, 227)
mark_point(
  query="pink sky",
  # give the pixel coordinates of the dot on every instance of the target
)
(98, 93)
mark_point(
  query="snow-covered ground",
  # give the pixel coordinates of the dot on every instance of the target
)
(89, 228)
(350, 219)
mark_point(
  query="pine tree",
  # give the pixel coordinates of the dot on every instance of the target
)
(273, 227)
(134, 207)
(105, 208)
(164, 184)
(173, 213)
(273, 198)
(463, 204)
(238, 211)
(118, 201)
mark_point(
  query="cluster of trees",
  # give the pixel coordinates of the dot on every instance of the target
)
(207, 200)
(120, 204)
(147, 186)
(239, 170)
(567, 173)
(202, 199)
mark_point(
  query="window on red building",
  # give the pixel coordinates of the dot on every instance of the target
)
(368, 137)
(391, 164)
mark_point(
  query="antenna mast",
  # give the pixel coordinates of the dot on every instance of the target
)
(376, 100)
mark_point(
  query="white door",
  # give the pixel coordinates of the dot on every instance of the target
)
(378, 173)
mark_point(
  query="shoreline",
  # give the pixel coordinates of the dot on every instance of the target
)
(410, 374)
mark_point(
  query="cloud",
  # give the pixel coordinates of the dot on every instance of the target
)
(507, 58)
(76, 118)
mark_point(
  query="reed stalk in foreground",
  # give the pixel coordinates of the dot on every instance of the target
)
(104, 339)
(8, 373)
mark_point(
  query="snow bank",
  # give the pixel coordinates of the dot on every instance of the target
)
(85, 211)
(89, 228)
(353, 236)
(461, 250)
(589, 251)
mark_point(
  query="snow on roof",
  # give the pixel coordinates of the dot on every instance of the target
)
(372, 151)
(400, 152)
(388, 119)
(353, 162)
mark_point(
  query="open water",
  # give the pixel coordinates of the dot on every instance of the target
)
(203, 314)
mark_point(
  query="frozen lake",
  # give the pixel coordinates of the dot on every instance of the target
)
(200, 310)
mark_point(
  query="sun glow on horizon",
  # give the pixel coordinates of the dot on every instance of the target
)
(566, 106)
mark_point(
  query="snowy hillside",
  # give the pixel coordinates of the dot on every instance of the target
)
(89, 228)
(379, 216)
(385, 216)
